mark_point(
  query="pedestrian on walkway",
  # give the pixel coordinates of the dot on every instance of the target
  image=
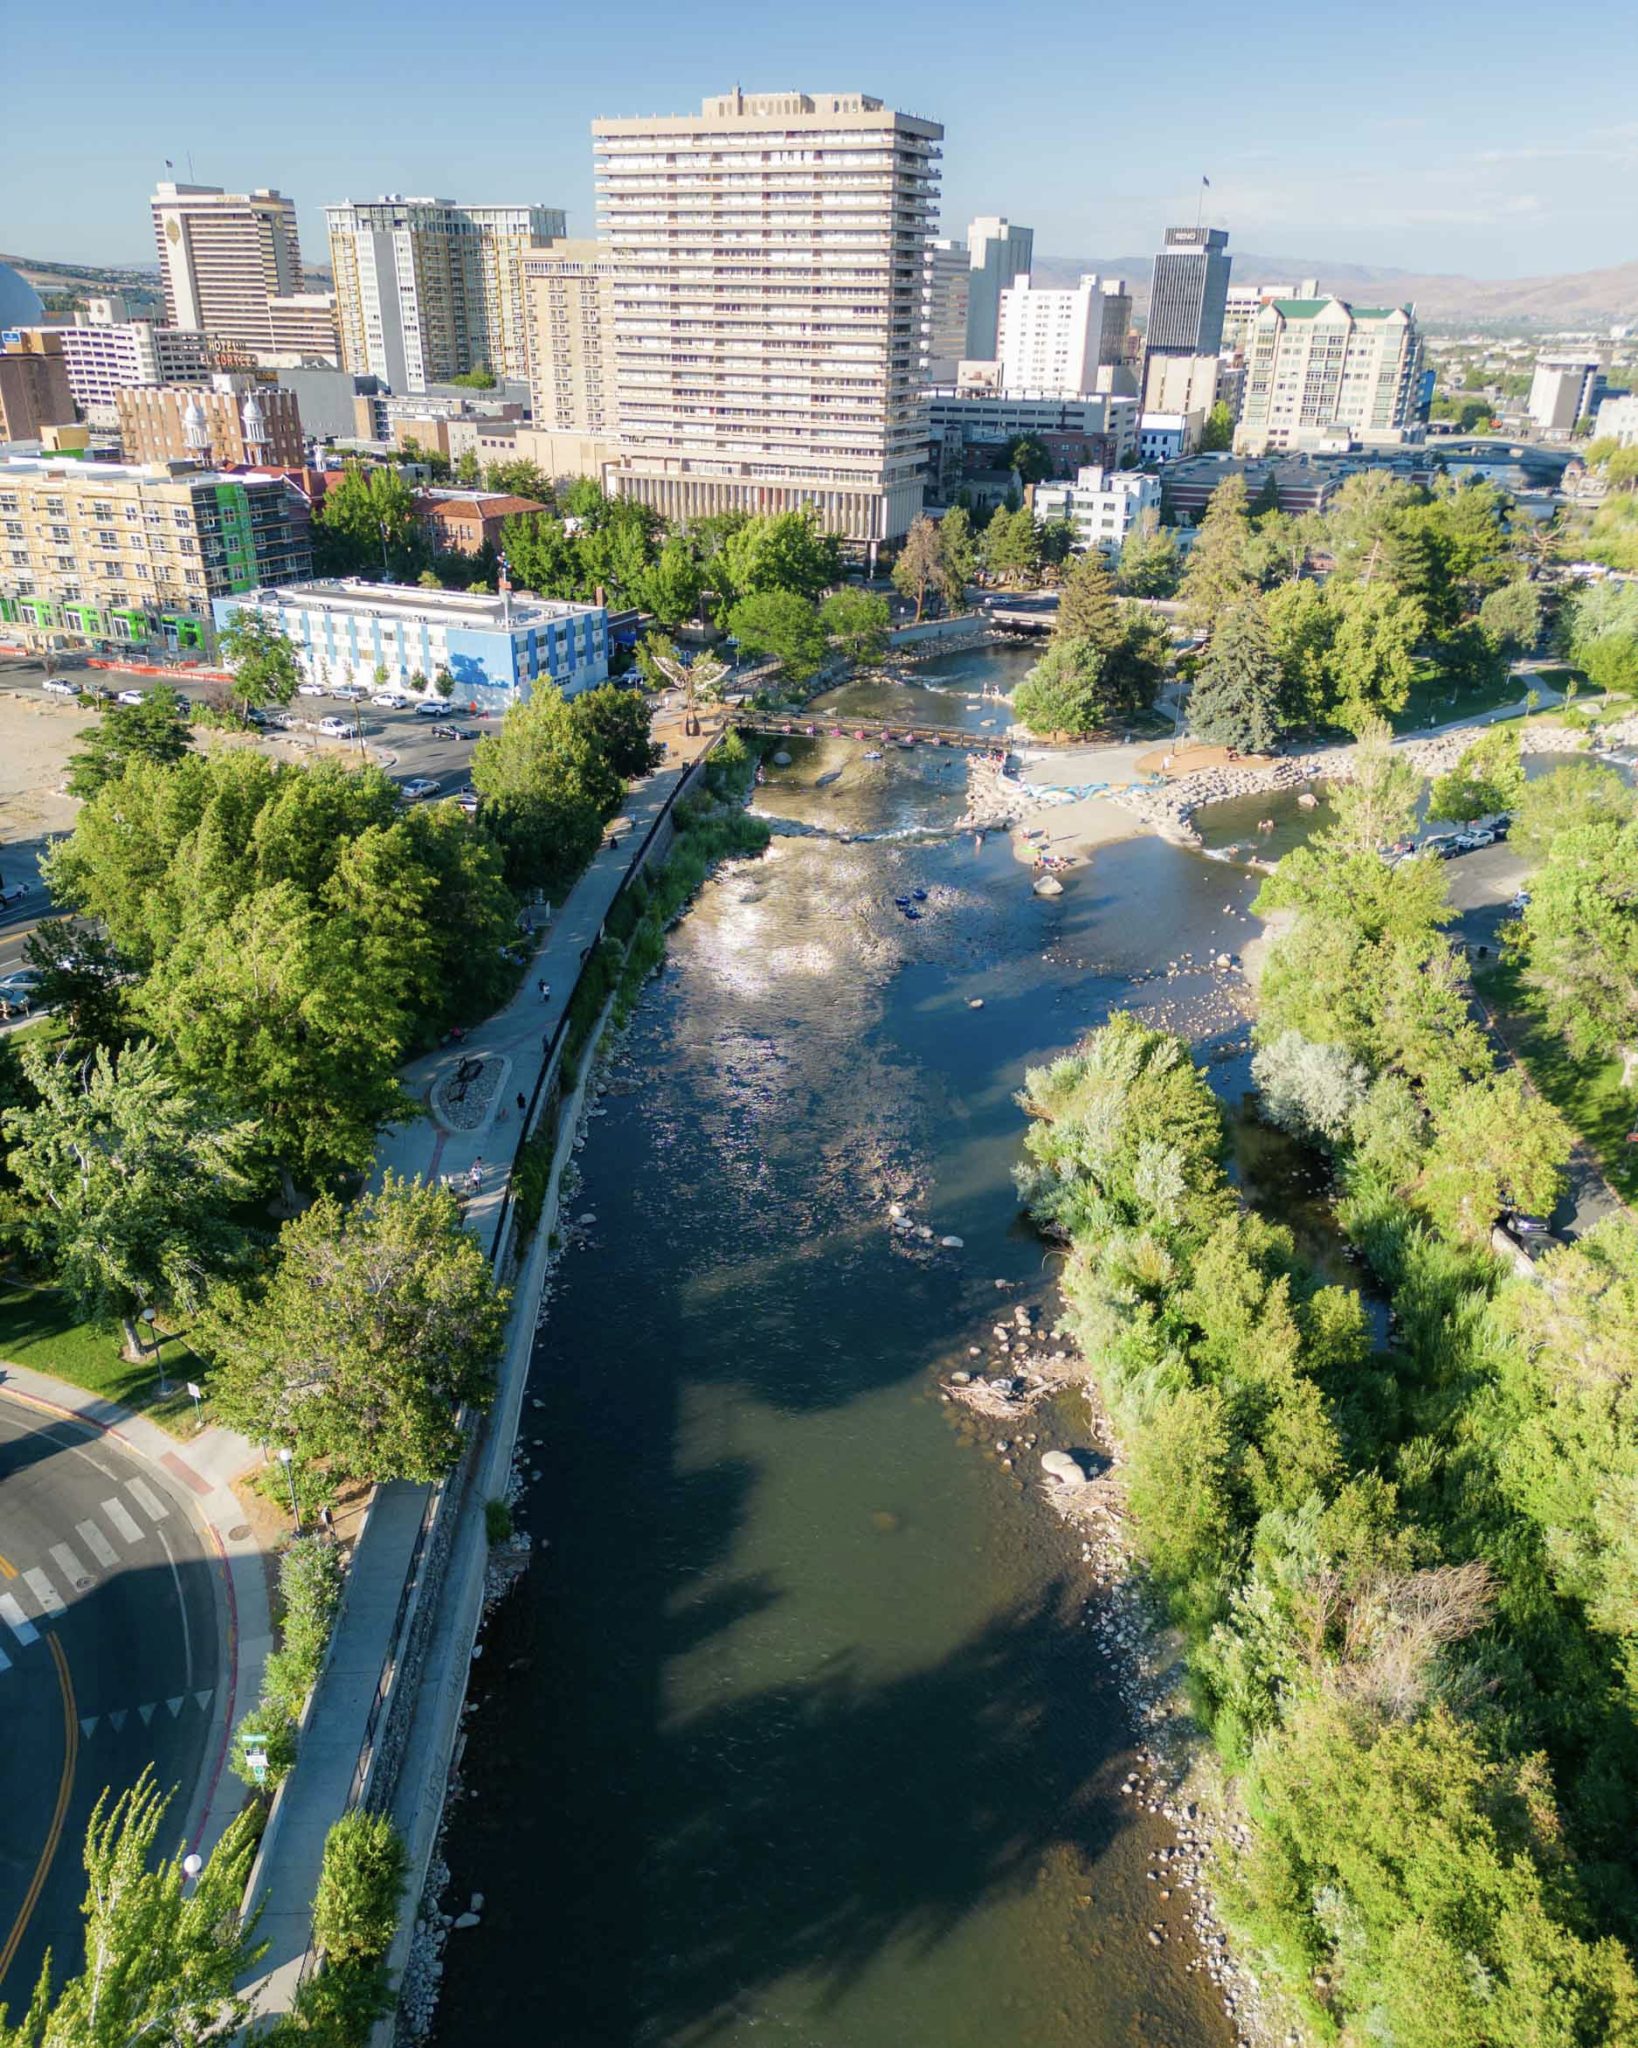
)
(523, 1102)
(474, 1175)
(545, 988)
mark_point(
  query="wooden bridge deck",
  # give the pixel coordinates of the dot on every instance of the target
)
(799, 727)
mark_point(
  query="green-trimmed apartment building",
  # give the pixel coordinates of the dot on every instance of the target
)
(1323, 375)
(129, 559)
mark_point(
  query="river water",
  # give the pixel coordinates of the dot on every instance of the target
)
(795, 1731)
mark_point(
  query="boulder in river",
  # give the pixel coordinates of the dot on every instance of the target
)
(1048, 885)
(952, 1244)
(1061, 1466)
(782, 759)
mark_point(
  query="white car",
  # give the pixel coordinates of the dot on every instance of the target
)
(347, 693)
(431, 707)
(337, 728)
(60, 686)
(418, 787)
(311, 690)
(391, 700)
(132, 697)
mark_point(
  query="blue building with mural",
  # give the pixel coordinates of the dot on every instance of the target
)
(493, 649)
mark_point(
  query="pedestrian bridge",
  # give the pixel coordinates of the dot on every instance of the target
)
(878, 731)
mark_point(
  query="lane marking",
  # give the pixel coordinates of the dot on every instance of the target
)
(147, 1714)
(123, 1520)
(71, 1750)
(118, 1718)
(150, 1503)
(17, 1621)
(46, 1593)
(182, 1610)
(7, 1569)
(97, 1543)
(175, 1706)
(68, 1564)
(88, 1727)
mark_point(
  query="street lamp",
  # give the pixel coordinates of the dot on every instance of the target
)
(285, 1456)
(192, 1864)
(158, 1350)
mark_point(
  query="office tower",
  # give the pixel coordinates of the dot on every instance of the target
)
(102, 358)
(1320, 370)
(946, 289)
(34, 386)
(569, 309)
(222, 256)
(235, 422)
(1187, 297)
(767, 305)
(1054, 342)
(1566, 388)
(128, 556)
(997, 252)
(427, 289)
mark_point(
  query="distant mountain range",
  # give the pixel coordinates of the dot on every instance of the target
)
(1584, 298)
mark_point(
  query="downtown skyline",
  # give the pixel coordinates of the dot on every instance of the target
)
(1409, 154)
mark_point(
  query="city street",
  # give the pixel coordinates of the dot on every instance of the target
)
(113, 1641)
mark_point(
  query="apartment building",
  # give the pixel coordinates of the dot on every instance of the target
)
(1322, 373)
(237, 422)
(1564, 389)
(1056, 341)
(1243, 302)
(495, 648)
(569, 313)
(34, 387)
(970, 429)
(946, 291)
(767, 305)
(106, 358)
(997, 252)
(1189, 292)
(1102, 505)
(462, 522)
(223, 256)
(303, 324)
(427, 289)
(133, 556)
(1618, 419)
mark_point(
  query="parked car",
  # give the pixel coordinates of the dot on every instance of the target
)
(431, 707)
(336, 728)
(454, 732)
(60, 686)
(1521, 901)
(391, 700)
(25, 981)
(311, 690)
(1470, 842)
(253, 716)
(349, 693)
(468, 801)
(132, 697)
(1439, 847)
(419, 786)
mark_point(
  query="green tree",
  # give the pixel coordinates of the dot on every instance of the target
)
(959, 548)
(162, 1959)
(266, 668)
(469, 470)
(1575, 794)
(479, 378)
(1580, 940)
(1028, 458)
(361, 1882)
(82, 980)
(1373, 655)
(129, 1175)
(1149, 564)
(1088, 609)
(154, 730)
(1488, 778)
(366, 523)
(1377, 803)
(546, 786)
(786, 552)
(1011, 544)
(1057, 539)
(1216, 576)
(1301, 630)
(520, 478)
(919, 565)
(543, 556)
(857, 622)
(1218, 433)
(1601, 632)
(784, 624)
(1064, 692)
(1510, 618)
(672, 586)
(619, 724)
(1236, 697)
(377, 1324)
(1497, 1145)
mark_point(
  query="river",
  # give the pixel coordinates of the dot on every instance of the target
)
(795, 1730)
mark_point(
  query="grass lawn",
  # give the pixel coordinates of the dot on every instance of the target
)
(1429, 702)
(1588, 1093)
(39, 1330)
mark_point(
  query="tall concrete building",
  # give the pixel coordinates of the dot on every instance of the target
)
(1187, 296)
(304, 324)
(1056, 341)
(1243, 302)
(223, 256)
(105, 358)
(946, 289)
(1564, 389)
(997, 252)
(1320, 372)
(569, 316)
(769, 259)
(427, 289)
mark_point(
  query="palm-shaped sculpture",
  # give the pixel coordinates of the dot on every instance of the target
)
(701, 677)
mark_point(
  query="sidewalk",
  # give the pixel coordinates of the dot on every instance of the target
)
(205, 1466)
(317, 1792)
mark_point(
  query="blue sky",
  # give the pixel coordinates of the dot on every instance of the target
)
(1424, 135)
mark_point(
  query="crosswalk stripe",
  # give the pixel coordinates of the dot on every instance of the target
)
(124, 1521)
(96, 1542)
(149, 1501)
(17, 1621)
(68, 1564)
(45, 1592)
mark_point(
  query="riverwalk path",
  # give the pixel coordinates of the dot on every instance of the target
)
(321, 1788)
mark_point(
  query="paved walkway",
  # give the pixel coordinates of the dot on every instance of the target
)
(206, 1466)
(316, 1794)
